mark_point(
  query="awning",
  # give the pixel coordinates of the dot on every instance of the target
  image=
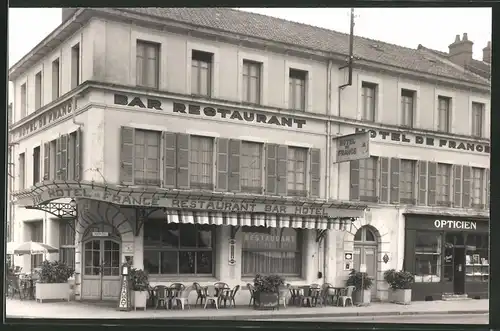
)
(248, 219)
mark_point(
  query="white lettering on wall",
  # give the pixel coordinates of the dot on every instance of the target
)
(448, 224)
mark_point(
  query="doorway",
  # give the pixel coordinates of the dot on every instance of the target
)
(454, 261)
(365, 252)
(101, 269)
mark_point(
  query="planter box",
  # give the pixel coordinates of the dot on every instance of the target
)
(266, 301)
(402, 297)
(363, 297)
(57, 291)
(140, 299)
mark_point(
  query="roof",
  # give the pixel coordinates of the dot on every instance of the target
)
(307, 36)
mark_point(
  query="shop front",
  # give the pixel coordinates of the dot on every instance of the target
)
(449, 256)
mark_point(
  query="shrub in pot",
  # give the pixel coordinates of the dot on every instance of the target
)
(139, 284)
(362, 283)
(53, 281)
(400, 283)
(267, 291)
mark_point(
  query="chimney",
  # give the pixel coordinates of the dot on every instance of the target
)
(67, 13)
(461, 50)
(487, 53)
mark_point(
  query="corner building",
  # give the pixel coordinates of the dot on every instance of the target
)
(203, 155)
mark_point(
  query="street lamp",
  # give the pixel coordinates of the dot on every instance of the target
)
(72, 203)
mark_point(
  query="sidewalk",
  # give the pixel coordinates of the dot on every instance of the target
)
(73, 309)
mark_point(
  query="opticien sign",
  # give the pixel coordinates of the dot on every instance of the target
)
(466, 225)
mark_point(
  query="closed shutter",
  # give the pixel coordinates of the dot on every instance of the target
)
(127, 155)
(457, 186)
(58, 158)
(384, 180)
(432, 183)
(183, 144)
(466, 187)
(395, 165)
(354, 179)
(271, 156)
(222, 164)
(64, 158)
(78, 155)
(46, 161)
(315, 172)
(281, 170)
(234, 165)
(422, 183)
(169, 159)
(487, 189)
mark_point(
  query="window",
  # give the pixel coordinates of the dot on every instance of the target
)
(22, 171)
(201, 73)
(178, 249)
(477, 119)
(147, 157)
(61, 157)
(477, 187)
(407, 106)
(36, 229)
(55, 79)
(74, 154)
(75, 66)
(444, 114)
(428, 257)
(67, 242)
(36, 165)
(297, 91)
(443, 187)
(368, 101)
(147, 64)
(24, 110)
(407, 182)
(38, 90)
(251, 167)
(477, 258)
(251, 81)
(271, 251)
(201, 162)
(296, 172)
(368, 179)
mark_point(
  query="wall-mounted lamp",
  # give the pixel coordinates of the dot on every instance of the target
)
(385, 258)
(72, 203)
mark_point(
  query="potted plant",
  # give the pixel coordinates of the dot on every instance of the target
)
(400, 283)
(363, 283)
(267, 291)
(139, 284)
(53, 281)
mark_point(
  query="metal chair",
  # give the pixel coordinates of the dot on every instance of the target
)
(347, 295)
(161, 297)
(14, 287)
(200, 292)
(231, 296)
(174, 291)
(284, 291)
(211, 296)
(251, 289)
(182, 298)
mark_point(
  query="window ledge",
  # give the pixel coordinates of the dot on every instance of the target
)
(292, 280)
(203, 280)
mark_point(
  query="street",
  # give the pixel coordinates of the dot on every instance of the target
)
(426, 319)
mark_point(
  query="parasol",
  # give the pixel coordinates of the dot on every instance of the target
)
(32, 247)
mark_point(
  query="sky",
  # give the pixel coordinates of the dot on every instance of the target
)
(434, 28)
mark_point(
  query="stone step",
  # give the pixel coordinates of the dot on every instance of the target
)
(455, 297)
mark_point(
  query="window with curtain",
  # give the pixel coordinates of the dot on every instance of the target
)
(368, 178)
(477, 187)
(368, 101)
(407, 105)
(201, 73)
(201, 162)
(477, 258)
(296, 175)
(407, 181)
(67, 242)
(251, 81)
(428, 255)
(443, 181)
(271, 251)
(178, 249)
(297, 89)
(477, 119)
(147, 64)
(251, 167)
(444, 114)
(147, 157)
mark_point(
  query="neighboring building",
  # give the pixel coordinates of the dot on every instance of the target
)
(198, 143)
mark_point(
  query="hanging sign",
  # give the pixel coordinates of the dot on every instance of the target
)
(232, 260)
(100, 234)
(353, 147)
(347, 266)
(362, 268)
(348, 256)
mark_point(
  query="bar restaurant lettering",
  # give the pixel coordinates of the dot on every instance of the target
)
(426, 141)
(247, 116)
(45, 119)
(268, 238)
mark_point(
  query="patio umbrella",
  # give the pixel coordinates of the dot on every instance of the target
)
(31, 247)
(11, 246)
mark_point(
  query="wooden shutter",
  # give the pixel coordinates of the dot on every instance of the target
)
(432, 183)
(58, 158)
(271, 157)
(457, 185)
(127, 155)
(234, 165)
(46, 161)
(281, 170)
(384, 180)
(78, 155)
(169, 159)
(487, 189)
(422, 183)
(354, 174)
(222, 164)
(466, 187)
(183, 145)
(395, 165)
(315, 173)
(64, 157)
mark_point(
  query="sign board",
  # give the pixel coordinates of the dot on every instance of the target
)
(362, 268)
(347, 266)
(232, 260)
(352, 147)
(455, 224)
(100, 234)
(348, 256)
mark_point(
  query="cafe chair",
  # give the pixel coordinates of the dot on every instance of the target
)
(346, 296)
(211, 296)
(161, 298)
(174, 291)
(15, 288)
(182, 297)
(201, 296)
(251, 289)
(284, 292)
(231, 296)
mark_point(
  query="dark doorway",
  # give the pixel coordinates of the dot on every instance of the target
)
(454, 263)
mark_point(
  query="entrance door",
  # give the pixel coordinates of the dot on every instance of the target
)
(101, 270)
(365, 252)
(455, 258)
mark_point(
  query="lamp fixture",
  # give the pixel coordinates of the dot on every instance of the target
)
(72, 203)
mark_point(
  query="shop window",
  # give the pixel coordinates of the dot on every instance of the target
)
(477, 258)
(67, 242)
(428, 255)
(443, 188)
(178, 249)
(271, 251)
(147, 157)
(251, 167)
(477, 187)
(296, 173)
(201, 156)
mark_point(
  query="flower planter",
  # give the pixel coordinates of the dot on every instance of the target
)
(266, 301)
(362, 297)
(52, 291)
(140, 299)
(402, 297)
